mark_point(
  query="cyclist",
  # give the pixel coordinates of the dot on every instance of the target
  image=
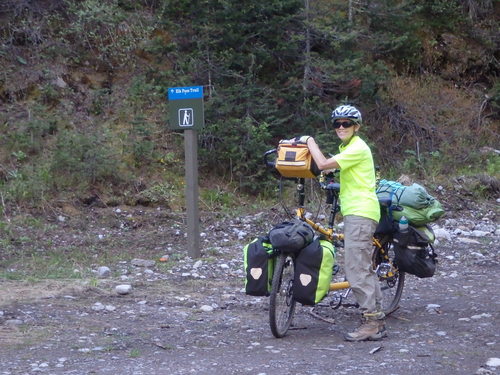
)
(361, 212)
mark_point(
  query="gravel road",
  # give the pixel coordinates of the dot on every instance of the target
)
(191, 316)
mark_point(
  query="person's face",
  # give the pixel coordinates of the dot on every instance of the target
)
(345, 129)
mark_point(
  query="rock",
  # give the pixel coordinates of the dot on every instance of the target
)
(493, 362)
(13, 322)
(142, 262)
(98, 306)
(442, 233)
(61, 83)
(197, 264)
(484, 315)
(433, 308)
(123, 289)
(206, 308)
(103, 271)
(479, 233)
(483, 371)
(468, 240)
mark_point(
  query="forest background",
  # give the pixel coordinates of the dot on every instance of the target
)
(83, 108)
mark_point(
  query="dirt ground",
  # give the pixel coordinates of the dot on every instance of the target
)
(191, 316)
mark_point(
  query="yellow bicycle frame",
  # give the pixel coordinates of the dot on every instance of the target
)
(331, 236)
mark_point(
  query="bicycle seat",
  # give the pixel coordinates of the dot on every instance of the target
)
(385, 202)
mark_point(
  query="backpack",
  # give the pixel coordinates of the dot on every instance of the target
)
(313, 272)
(295, 160)
(291, 236)
(414, 253)
(258, 260)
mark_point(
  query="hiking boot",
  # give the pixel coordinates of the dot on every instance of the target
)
(371, 329)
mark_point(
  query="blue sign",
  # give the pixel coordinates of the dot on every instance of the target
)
(179, 93)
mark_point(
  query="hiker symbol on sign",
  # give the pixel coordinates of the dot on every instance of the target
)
(186, 117)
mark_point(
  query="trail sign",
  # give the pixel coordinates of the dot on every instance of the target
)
(186, 107)
(186, 113)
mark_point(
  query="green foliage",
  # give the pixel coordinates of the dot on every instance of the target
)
(29, 184)
(494, 98)
(217, 199)
(104, 29)
(28, 136)
(100, 101)
(270, 70)
(84, 160)
(234, 150)
(441, 14)
(161, 193)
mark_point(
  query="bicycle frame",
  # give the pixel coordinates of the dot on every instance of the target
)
(282, 303)
(329, 232)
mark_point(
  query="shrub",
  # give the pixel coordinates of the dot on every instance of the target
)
(84, 159)
(429, 126)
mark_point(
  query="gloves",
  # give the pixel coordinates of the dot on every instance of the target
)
(303, 139)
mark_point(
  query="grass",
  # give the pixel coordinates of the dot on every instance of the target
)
(134, 353)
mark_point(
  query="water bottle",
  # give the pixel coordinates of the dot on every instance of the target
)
(403, 231)
(403, 224)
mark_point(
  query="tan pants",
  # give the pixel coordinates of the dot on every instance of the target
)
(358, 232)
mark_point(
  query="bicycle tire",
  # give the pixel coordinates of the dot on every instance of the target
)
(281, 302)
(391, 287)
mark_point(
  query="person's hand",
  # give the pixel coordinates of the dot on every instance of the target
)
(302, 139)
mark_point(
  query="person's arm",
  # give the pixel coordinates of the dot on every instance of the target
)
(321, 161)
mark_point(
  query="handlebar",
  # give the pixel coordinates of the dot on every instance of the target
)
(268, 163)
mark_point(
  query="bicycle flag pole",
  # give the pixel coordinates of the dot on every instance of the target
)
(186, 113)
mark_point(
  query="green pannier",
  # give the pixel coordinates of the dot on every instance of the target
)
(313, 272)
(258, 259)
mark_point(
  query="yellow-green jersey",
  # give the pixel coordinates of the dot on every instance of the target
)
(357, 180)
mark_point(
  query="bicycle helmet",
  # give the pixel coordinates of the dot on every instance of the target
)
(347, 111)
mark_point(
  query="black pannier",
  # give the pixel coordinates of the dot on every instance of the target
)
(258, 258)
(313, 272)
(414, 253)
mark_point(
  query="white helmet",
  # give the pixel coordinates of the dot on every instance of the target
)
(347, 111)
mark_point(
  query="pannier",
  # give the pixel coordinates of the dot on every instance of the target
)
(313, 272)
(414, 253)
(295, 160)
(259, 260)
(291, 236)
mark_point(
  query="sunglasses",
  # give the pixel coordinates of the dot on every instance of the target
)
(344, 124)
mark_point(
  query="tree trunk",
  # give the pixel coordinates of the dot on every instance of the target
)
(307, 52)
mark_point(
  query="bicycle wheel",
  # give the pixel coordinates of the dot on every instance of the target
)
(391, 280)
(281, 302)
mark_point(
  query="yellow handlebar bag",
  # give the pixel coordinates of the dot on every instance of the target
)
(295, 160)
